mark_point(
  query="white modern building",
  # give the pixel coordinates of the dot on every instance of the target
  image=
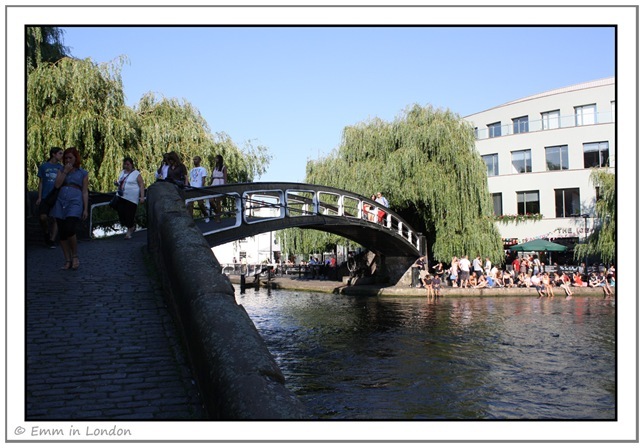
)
(263, 248)
(258, 249)
(540, 152)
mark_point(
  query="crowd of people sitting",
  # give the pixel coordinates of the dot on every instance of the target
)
(524, 272)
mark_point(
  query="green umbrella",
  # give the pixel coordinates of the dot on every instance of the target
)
(538, 246)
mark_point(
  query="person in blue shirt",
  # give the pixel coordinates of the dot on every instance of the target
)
(47, 173)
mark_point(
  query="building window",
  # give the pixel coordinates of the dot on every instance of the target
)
(585, 115)
(567, 202)
(528, 202)
(497, 202)
(522, 161)
(595, 154)
(520, 125)
(557, 158)
(494, 129)
(550, 120)
(492, 163)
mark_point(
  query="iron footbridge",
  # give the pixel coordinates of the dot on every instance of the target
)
(242, 210)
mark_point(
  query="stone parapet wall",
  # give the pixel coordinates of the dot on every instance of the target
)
(237, 375)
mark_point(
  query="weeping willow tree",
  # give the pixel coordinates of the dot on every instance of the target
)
(79, 103)
(171, 125)
(44, 44)
(426, 164)
(296, 241)
(601, 242)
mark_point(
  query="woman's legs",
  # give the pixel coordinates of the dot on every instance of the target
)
(127, 217)
(66, 254)
(68, 242)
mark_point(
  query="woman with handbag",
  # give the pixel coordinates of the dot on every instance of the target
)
(71, 204)
(131, 192)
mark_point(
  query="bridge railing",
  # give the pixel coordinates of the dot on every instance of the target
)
(256, 205)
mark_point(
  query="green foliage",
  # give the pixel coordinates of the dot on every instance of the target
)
(78, 103)
(298, 241)
(44, 44)
(426, 164)
(601, 242)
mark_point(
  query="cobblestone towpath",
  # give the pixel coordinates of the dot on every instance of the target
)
(100, 342)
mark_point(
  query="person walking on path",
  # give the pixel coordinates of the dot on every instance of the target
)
(131, 190)
(71, 205)
(47, 173)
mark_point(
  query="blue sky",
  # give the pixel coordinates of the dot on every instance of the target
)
(294, 89)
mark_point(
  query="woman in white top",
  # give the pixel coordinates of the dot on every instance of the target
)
(132, 192)
(219, 172)
(219, 177)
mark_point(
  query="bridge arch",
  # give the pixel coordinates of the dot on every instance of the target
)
(253, 208)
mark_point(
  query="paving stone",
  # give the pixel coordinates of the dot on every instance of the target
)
(100, 342)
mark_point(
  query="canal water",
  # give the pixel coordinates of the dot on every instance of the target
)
(402, 358)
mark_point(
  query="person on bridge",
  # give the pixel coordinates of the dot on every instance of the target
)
(380, 199)
(47, 173)
(72, 204)
(367, 209)
(131, 189)
(162, 172)
(177, 171)
(219, 177)
(197, 180)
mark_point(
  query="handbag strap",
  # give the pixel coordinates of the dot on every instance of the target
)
(122, 181)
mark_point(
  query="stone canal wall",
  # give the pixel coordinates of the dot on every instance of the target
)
(236, 373)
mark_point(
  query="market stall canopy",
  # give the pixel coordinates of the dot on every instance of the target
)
(538, 246)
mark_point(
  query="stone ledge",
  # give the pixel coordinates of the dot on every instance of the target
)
(236, 373)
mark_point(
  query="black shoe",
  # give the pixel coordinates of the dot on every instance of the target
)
(52, 244)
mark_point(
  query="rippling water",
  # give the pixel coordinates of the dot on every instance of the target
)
(358, 358)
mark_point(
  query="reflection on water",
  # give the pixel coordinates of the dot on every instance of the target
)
(461, 358)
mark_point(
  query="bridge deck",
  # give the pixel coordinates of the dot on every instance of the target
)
(254, 208)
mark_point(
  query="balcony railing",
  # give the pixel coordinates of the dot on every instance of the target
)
(568, 121)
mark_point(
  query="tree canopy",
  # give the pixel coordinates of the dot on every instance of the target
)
(78, 103)
(601, 241)
(44, 44)
(426, 164)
